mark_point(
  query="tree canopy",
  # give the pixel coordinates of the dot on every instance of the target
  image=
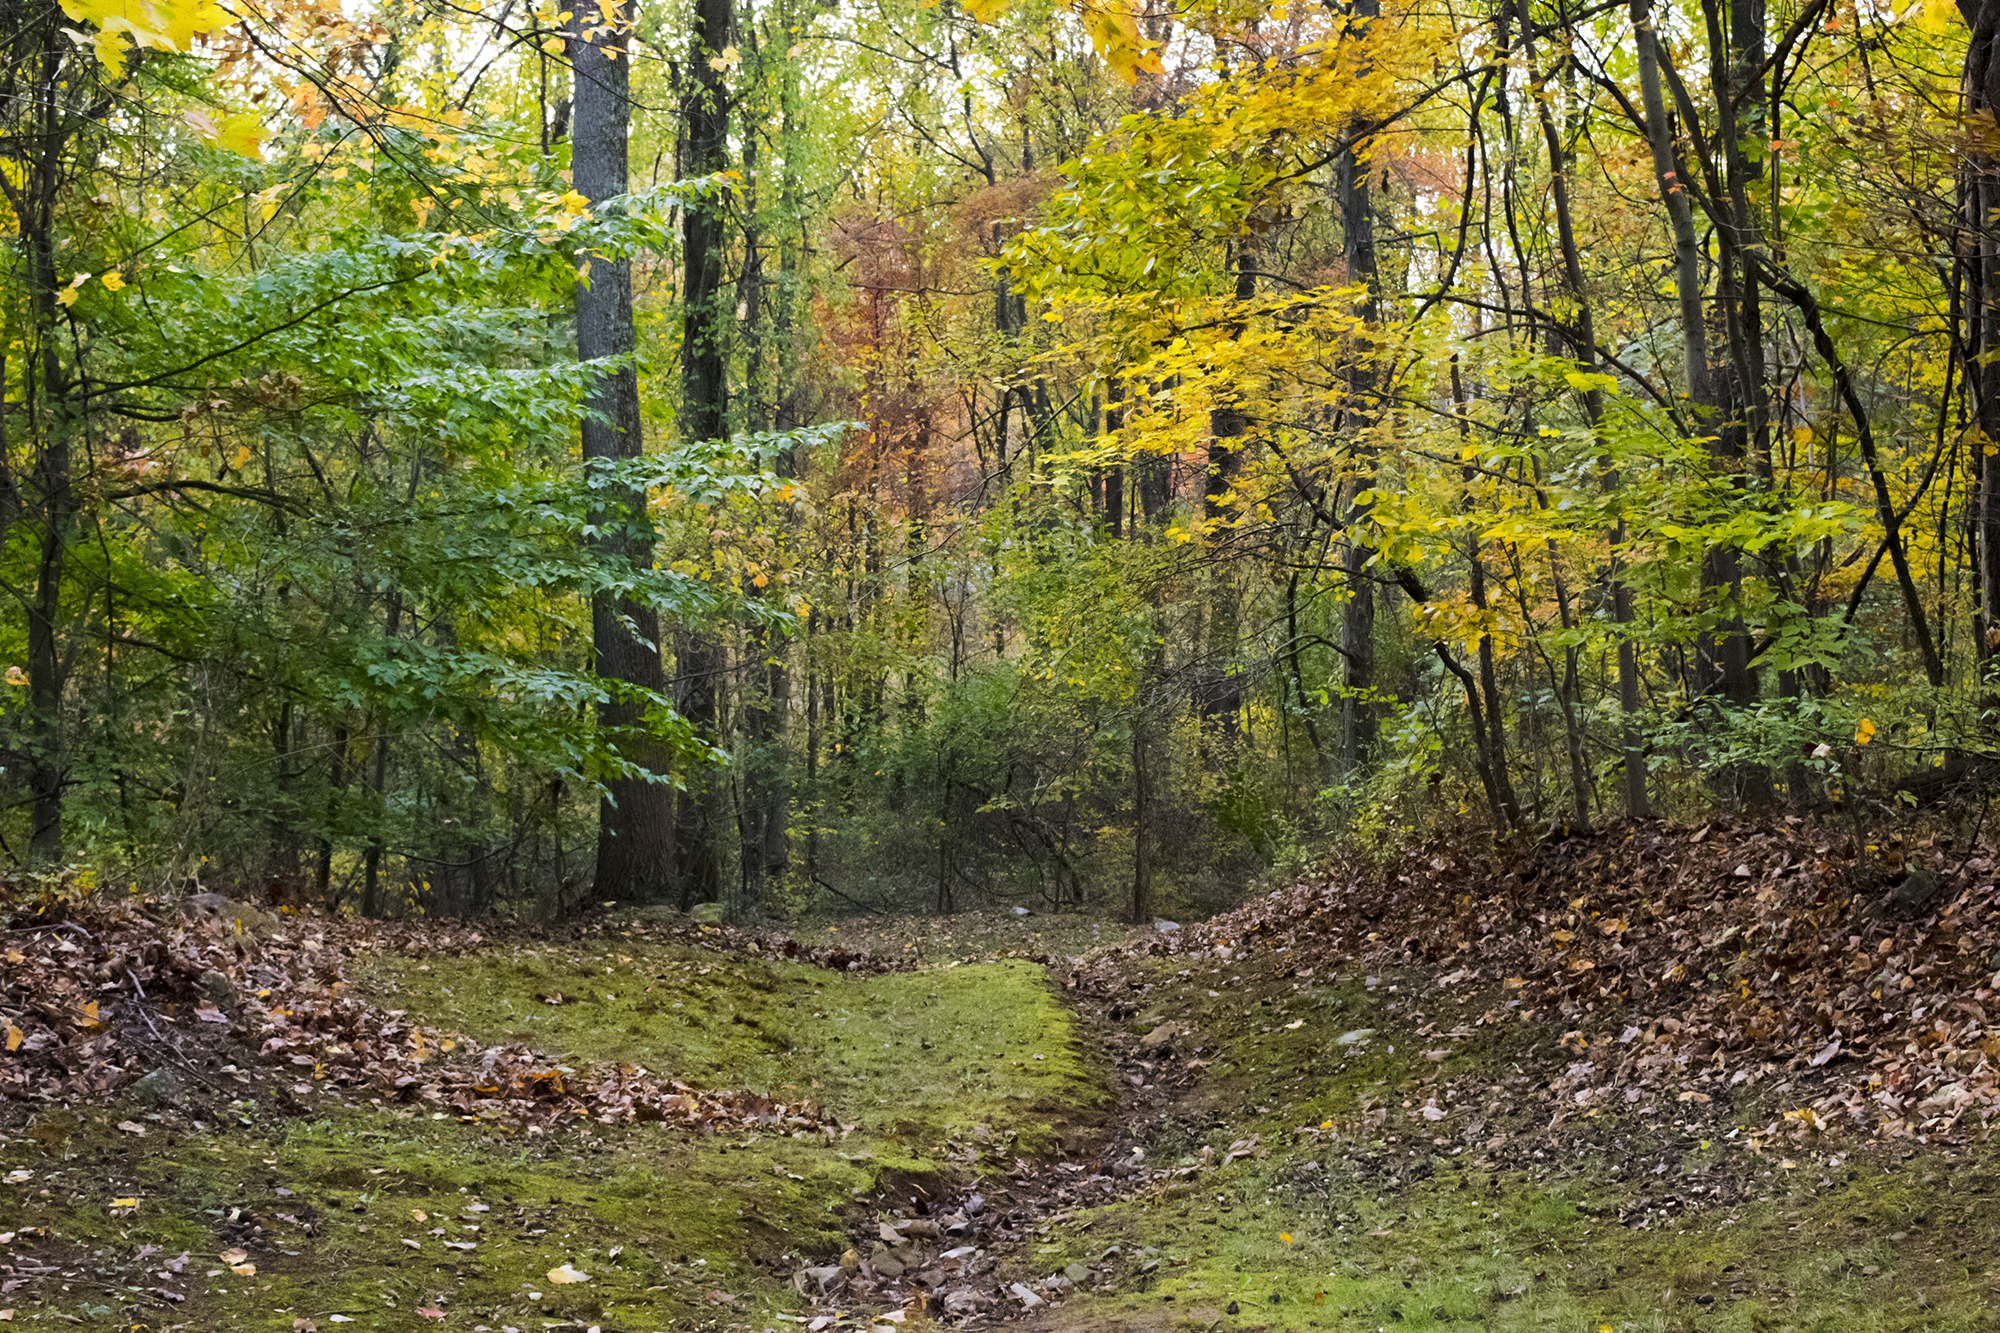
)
(460, 457)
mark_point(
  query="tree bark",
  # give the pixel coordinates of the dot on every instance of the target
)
(635, 825)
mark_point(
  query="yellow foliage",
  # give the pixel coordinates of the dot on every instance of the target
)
(161, 25)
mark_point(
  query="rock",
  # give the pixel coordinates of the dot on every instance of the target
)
(219, 989)
(707, 914)
(1025, 1294)
(162, 1087)
(824, 1277)
(1915, 893)
(850, 1261)
(1354, 1038)
(888, 1265)
(1056, 1286)
(921, 1227)
(1078, 1273)
(240, 916)
(1160, 1035)
(962, 1300)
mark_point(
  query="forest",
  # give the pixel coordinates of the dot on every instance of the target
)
(462, 459)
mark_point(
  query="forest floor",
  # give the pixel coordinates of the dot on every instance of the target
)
(1728, 1078)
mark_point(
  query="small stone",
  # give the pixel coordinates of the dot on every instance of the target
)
(1025, 1295)
(219, 989)
(889, 1266)
(1160, 1035)
(851, 1261)
(242, 916)
(162, 1087)
(1234, 1308)
(1077, 1272)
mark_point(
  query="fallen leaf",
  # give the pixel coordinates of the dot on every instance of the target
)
(244, 1270)
(208, 1015)
(233, 1256)
(125, 1203)
(564, 1273)
(430, 1312)
(132, 1127)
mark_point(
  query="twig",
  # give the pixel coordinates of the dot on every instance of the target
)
(875, 911)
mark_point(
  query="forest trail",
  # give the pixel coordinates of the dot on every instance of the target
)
(1316, 1112)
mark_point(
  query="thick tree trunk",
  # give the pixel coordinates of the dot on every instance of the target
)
(635, 824)
(1979, 309)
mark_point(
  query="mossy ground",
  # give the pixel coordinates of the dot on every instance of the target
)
(1348, 1213)
(377, 1212)
(1366, 1225)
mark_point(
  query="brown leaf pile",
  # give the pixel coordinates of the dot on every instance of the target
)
(1692, 960)
(93, 999)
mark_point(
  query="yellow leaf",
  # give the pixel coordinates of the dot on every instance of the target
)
(125, 1203)
(1864, 732)
(985, 11)
(66, 297)
(244, 1270)
(243, 135)
(564, 1274)
(1285, 1237)
(1932, 17)
(1114, 31)
(15, 1037)
(113, 281)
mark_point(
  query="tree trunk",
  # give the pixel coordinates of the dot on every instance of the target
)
(1359, 722)
(1979, 308)
(635, 825)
